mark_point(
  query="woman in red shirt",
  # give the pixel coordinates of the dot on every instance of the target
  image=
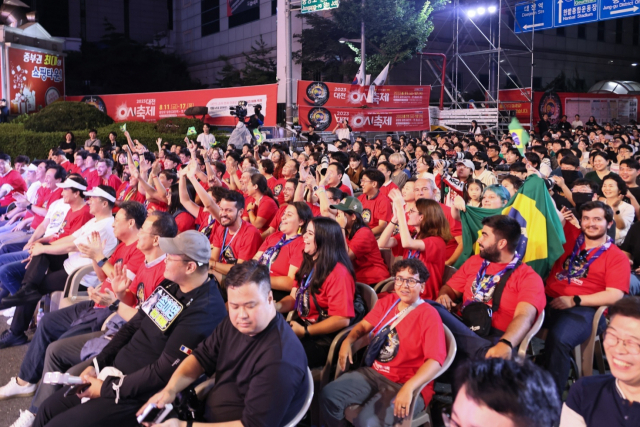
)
(183, 218)
(263, 208)
(324, 292)
(428, 244)
(282, 250)
(278, 159)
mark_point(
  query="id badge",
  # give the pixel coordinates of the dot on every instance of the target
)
(162, 308)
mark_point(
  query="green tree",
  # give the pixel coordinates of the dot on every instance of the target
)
(259, 67)
(394, 32)
(562, 83)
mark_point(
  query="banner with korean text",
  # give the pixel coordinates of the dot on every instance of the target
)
(149, 107)
(36, 79)
(365, 119)
(324, 94)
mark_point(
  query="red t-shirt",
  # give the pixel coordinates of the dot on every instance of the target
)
(345, 190)
(433, 257)
(92, 178)
(315, 209)
(376, 209)
(44, 202)
(242, 245)
(277, 218)
(157, 206)
(417, 338)
(335, 295)
(128, 193)
(610, 270)
(271, 183)
(267, 209)
(289, 255)
(130, 256)
(113, 182)
(18, 185)
(68, 166)
(73, 221)
(386, 188)
(524, 284)
(278, 186)
(227, 177)
(369, 266)
(185, 221)
(145, 282)
(205, 222)
(455, 227)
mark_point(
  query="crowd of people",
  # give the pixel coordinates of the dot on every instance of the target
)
(194, 258)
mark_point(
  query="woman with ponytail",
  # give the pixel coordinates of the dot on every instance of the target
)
(261, 205)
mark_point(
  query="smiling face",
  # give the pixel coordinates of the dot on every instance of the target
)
(309, 238)
(491, 200)
(600, 164)
(594, 224)
(228, 212)
(625, 365)
(291, 222)
(414, 218)
(628, 174)
(410, 288)
(289, 191)
(610, 188)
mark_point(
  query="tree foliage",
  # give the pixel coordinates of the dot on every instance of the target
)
(259, 67)
(62, 116)
(563, 83)
(394, 31)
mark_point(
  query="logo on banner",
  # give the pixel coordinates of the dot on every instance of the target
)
(551, 105)
(318, 93)
(320, 118)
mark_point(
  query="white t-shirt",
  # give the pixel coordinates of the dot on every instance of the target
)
(32, 192)
(56, 214)
(343, 133)
(576, 123)
(206, 140)
(75, 260)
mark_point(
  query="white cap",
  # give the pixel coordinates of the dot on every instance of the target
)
(332, 148)
(99, 192)
(32, 168)
(70, 183)
(468, 163)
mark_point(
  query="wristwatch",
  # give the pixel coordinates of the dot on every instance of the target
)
(102, 261)
(577, 300)
(315, 188)
(617, 212)
(507, 342)
(114, 306)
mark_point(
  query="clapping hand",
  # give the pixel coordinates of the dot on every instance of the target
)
(94, 248)
(119, 280)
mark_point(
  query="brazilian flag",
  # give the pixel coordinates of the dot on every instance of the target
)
(542, 233)
(519, 135)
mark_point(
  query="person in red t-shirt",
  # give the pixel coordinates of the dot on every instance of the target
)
(325, 290)
(104, 169)
(376, 206)
(333, 178)
(387, 169)
(128, 191)
(363, 248)
(231, 163)
(592, 273)
(282, 250)
(60, 158)
(184, 219)
(85, 165)
(207, 216)
(289, 191)
(234, 240)
(263, 207)
(427, 244)
(413, 353)
(266, 168)
(289, 171)
(10, 182)
(522, 298)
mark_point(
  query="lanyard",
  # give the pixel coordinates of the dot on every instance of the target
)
(415, 304)
(224, 239)
(301, 291)
(569, 273)
(268, 256)
(481, 289)
(413, 253)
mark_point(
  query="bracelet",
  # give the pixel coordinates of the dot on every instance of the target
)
(394, 223)
(507, 342)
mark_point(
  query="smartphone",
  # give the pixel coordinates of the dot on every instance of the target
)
(153, 414)
(76, 389)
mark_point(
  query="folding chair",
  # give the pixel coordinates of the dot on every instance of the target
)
(383, 285)
(449, 271)
(584, 352)
(524, 344)
(70, 295)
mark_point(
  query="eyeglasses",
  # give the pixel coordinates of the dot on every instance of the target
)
(446, 419)
(362, 181)
(408, 282)
(611, 340)
(167, 259)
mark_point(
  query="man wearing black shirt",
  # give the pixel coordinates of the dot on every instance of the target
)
(259, 364)
(311, 135)
(493, 151)
(182, 311)
(544, 124)
(564, 125)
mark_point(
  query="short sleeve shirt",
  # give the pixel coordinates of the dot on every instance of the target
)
(242, 245)
(387, 187)
(289, 254)
(267, 209)
(147, 280)
(74, 220)
(433, 257)
(14, 183)
(369, 266)
(524, 285)
(455, 227)
(130, 256)
(278, 186)
(277, 218)
(376, 209)
(335, 296)
(185, 221)
(610, 270)
(417, 338)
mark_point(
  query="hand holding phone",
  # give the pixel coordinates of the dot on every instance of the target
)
(154, 415)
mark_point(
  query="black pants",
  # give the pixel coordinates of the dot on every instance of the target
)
(60, 411)
(46, 274)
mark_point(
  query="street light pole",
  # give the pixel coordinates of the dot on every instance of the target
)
(362, 45)
(289, 66)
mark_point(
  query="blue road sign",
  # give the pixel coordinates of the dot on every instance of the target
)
(573, 12)
(613, 9)
(536, 15)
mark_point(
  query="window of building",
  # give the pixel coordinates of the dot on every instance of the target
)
(244, 17)
(210, 17)
(601, 31)
(636, 30)
(618, 31)
(274, 7)
(560, 32)
(582, 31)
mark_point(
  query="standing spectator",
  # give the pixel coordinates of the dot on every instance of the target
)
(4, 111)
(112, 143)
(342, 129)
(577, 122)
(311, 135)
(544, 124)
(206, 139)
(69, 145)
(93, 140)
(564, 125)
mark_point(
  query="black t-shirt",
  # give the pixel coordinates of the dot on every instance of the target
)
(68, 146)
(312, 137)
(260, 380)
(599, 403)
(631, 244)
(491, 164)
(636, 192)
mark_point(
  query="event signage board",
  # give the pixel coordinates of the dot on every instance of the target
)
(365, 119)
(149, 107)
(613, 9)
(307, 6)
(573, 12)
(533, 15)
(36, 79)
(324, 94)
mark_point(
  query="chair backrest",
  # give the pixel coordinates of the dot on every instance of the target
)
(368, 295)
(387, 256)
(524, 344)
(307, 402)
(379, 288)
(448, 272)
(70, 295)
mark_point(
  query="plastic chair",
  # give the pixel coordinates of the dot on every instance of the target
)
(535, 328)
(387, 256)
(584, 352)
(449, 271)
(383, 285)
(70, 295)
(415, 419)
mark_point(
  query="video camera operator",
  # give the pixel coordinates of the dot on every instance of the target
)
(255, 120)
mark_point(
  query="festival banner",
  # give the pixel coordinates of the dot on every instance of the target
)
(321, 94)
(517, 100)
(149, 107)
(36, 79)
(364, 119)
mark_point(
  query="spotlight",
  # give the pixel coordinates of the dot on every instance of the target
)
(471, 13)
(635, 64)
(481, 10)
(492, 9)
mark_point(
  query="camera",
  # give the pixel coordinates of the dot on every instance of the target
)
(240, 111)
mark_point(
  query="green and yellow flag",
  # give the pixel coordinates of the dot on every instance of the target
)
(542, 233)
(519, 135)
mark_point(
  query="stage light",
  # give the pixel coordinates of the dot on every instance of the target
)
(635, 64)
(481, 10)
(471, 13)
(492, 9)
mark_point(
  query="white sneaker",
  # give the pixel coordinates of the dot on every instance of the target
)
(9, 312)
(9, 320)
(26, 419)
(13, 389)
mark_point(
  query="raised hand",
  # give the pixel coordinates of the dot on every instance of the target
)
(119, 280)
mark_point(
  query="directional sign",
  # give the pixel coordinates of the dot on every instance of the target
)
(572, 12)
(534, 15)
(612, 9)
(307, 6)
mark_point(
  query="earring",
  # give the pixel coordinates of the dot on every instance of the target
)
(300, 230)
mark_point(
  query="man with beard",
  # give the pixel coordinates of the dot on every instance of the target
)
(592, 272)
(522, 297)
(234, 241)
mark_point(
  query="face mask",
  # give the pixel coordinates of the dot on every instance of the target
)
(581, 198)
(477, 165)
(570, 177)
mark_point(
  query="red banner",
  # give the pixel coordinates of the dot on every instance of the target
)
(36, 79)
(321, 94)
(364, 119)
(149, 107)
(516, 100)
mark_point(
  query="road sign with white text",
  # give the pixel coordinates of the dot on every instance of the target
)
(573, 12)
(307, 6)
(534, 15)
(613, 9)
